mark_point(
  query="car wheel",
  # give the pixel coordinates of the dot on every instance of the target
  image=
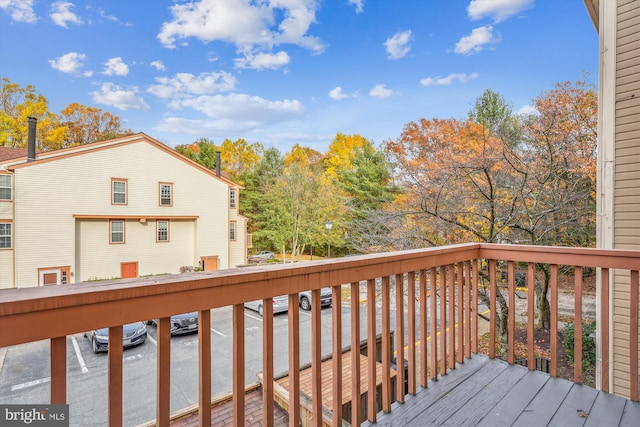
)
(260, 310)
(305, 304)
(94, 345)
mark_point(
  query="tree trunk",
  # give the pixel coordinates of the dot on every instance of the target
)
(542, 303)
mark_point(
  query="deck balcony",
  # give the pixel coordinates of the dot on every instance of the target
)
(421, 306)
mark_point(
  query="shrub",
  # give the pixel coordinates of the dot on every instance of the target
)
(588, 343)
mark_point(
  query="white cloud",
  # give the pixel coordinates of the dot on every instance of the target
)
(114, 96)
(263, 61)
(380, 91)
(61, 14)
(398, 45)
(233, 112)
(115, 67)
(337, 94)
(499, 10)
(186, 84)
(445, 81)
(158, 65)
(19, 10)
(250, 26)
(359, 4)
(526, 110)
(475, 42)
(69, 62)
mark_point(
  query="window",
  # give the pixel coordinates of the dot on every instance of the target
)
(5, 235)
(118, 192)
(232, 230)
(162, 231)
(5, 187)
(232, 199)
(117, 231)
(166, 191)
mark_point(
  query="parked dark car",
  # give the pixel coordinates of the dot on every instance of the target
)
(262, 256)
(326, 298)
(132, 334)
(184, 323)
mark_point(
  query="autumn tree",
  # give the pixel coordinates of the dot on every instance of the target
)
(76, 125)
(17, 104)
(557, 159)
(89, 124)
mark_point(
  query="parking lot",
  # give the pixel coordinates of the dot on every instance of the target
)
(25, 377)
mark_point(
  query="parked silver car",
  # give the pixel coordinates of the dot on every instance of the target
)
(280, 305)
(184, 323)
(326, 298)
(262, 256)
(132, 334)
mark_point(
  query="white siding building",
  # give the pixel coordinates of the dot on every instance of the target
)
(125, 207)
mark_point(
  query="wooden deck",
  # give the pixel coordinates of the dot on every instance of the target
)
(485, 392)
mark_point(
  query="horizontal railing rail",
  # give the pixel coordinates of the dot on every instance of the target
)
(435, 290)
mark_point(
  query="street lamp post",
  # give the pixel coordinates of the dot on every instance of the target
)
(328, 224)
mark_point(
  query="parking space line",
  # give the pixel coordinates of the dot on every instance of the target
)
(30, 384)
(218, 332)
(254, 317)
(76, 347)
(152, 339)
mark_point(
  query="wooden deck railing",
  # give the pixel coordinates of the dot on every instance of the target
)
(441, 329)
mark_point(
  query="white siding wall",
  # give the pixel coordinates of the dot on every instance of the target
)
(100, 260)
(49, 194)
(627, 177)
(6, 255)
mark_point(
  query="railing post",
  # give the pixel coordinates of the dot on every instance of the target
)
(372, 404)
(452, 316)
(336, 360)
(577, 327)
(316, 357)
(163, 376)
(473, 270)
(423, 329)
(386, 346)
(554, 321)
(603, 339)
(531, 303)
(239, 364)
(512, 313)
(411, 327)
(355, 354)
(443, 320)
(115, 376)
(633, 335)
(492, 308)
(400, 338)
(433, 312)
(294, 360)
(58, 370)
(204, 368)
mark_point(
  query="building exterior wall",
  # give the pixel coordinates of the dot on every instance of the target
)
(627, 178)
(62, 209)
(618, 160)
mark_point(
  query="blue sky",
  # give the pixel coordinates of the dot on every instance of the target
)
(282, 72)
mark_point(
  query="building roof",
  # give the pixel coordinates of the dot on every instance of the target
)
(8, 153)
(593, 8)
(17, 161)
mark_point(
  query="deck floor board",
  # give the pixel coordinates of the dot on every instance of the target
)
(484, 392)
